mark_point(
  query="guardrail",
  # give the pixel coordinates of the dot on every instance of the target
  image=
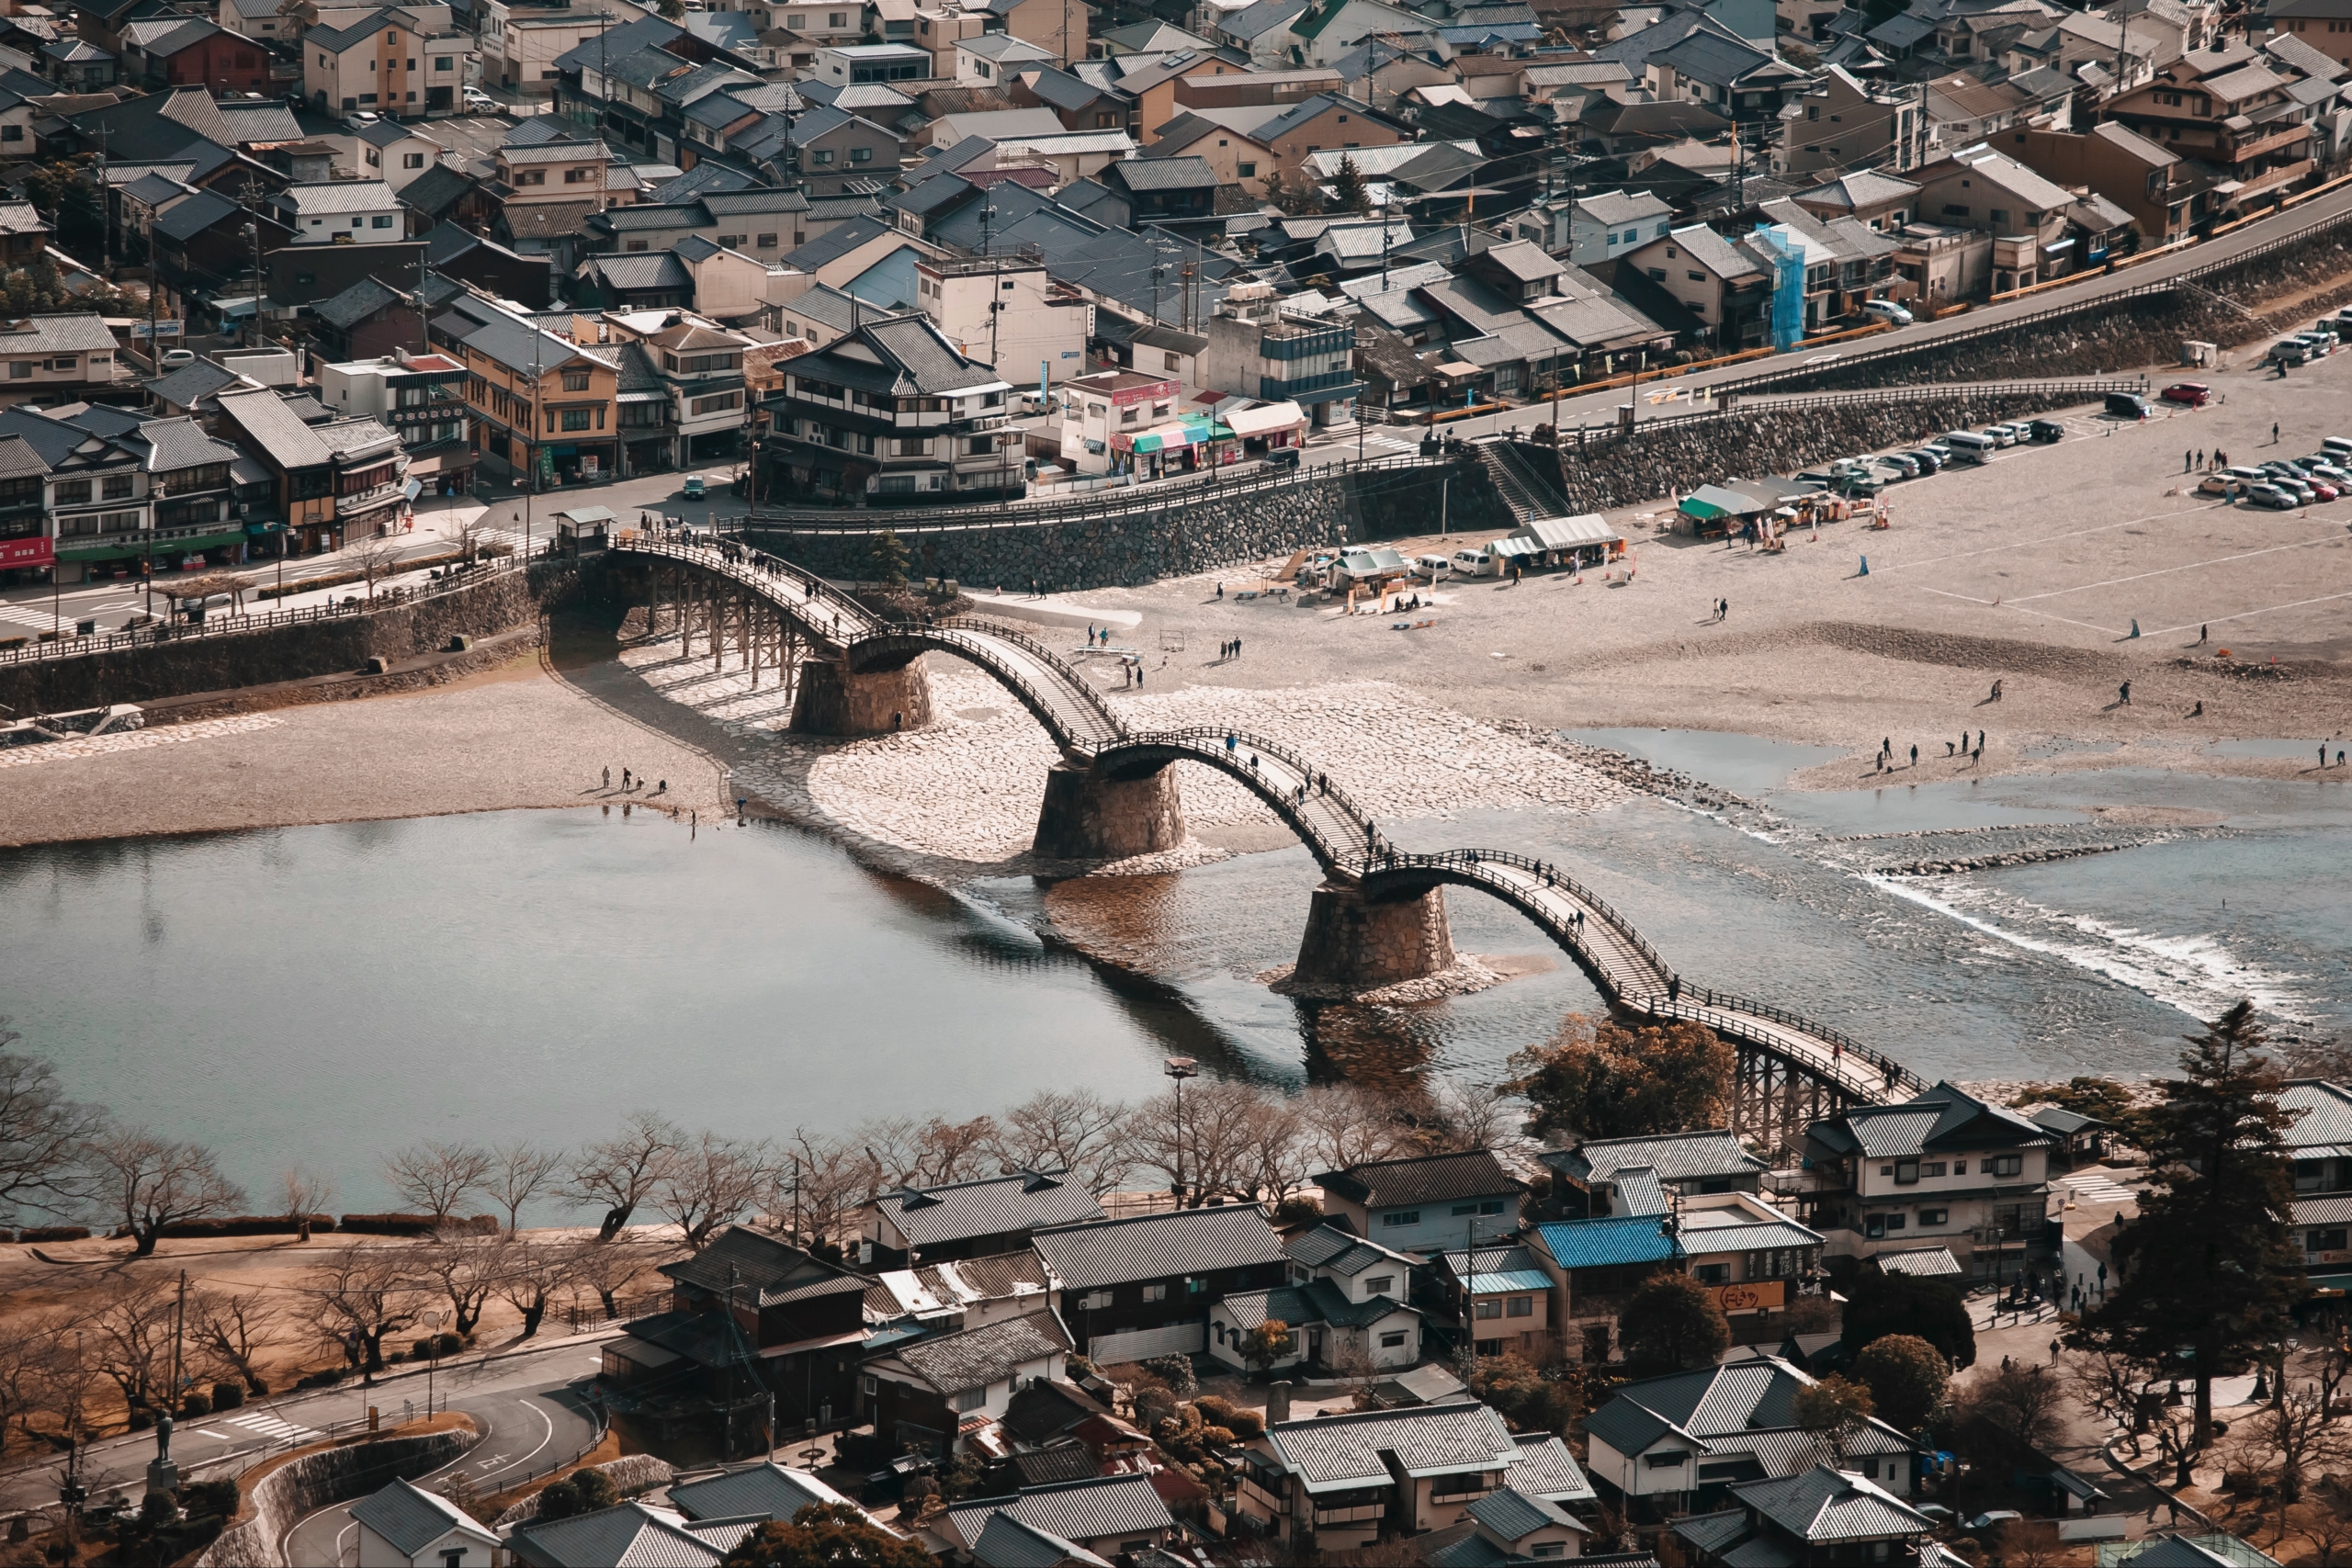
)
(992, 627)
(238, 625)
(1465, 859)
(1193, 735)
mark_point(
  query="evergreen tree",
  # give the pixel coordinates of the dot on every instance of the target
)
(1348, 194)
(1671, 1324)
(2208, 1267)
(890, 558)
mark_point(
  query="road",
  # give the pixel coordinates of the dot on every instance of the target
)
(1600, 408)
(524, 1432)
(204, 1446)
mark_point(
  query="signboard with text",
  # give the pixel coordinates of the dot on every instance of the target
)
(1756, 1295)
(39, 550)
(165, 328)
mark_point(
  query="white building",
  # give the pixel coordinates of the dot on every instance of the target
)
(348, 212)
(1009, 314)
(1345, 1303)
(405, 1526)
(397, 154)
(1110, 402)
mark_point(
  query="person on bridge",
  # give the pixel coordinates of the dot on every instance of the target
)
(1674, 987)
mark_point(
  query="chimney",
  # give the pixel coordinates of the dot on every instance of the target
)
(1277, 1401)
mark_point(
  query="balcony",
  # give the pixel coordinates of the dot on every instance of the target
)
(1359, 1514)
(1252, 1489)
(1330, 383)
(352, 505)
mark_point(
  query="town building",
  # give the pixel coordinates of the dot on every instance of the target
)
(57, 358)
(342, 212)
(1668, 1446)
(541, 404)
(699, 366)
(390, 61)
(1346, 1307)
(2230, 106)
(1426, 1203)
(1714, 1160)
(332, 481)
(921, 1393)
(1942, 1168)
(422, 398)
(968, 1219)
(1112, 1515)
(1136, 1288)
(404, 1526)
(1823, 1518)
(1501, 1298)
(895, 412)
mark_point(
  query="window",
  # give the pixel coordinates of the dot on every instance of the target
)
(1155, 1292)
(392, 38)
(575, 380)
(1886, 1170)
(1960, 1167)
(2006, 1164)
(12, 134)
(822, 155)
(575, 419)
(1698, 277)
(971, 1398)
(69, 492)
(717, 402)
(2325, 1241)
(382, 221)
(1378, 1284)
(1462, 1209)
(1906, 1172)
(1093, 1301)
(1657, 275)
(1932, 1168)
(767, 241)
(530, 176)
(1400, 1216)
(913, 446)
(861, 155)
(1393, 1341)
(411, 160)
(1955, 209)
(979, 446)
(444, 63)
(1519, 1306)
(1894, 1222)
(1711, 1273)
(1549, 1548)
(1662, 1461)
(873, 1386)
(634, 245)
(1998, 214)
(577, 176)
(1928, 1217)
(1169, 361)
(116, 487)
(1489, 1308)
(836, 19)
(1246, 171)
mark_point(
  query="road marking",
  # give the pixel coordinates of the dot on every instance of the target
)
(2014, 545)
(272, 1427)
(2191, 566)
(217, 1436)
(2244, 614)
(1996, 605)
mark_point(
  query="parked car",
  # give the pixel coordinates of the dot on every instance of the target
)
(2196, 394)
(2002, 435)
(1476, 563)
(2322, 345)
(2269, 496)
(2290, 350)
(2128, 405)
(2296, 485)
(1902, 463)
(2045, 429)
(2334, 473)
(2322, 489)
(1283, 457)
(477, 99)
(2337, 446)
(1938, 450)
(1887, 310)
(1985, 1524)
(2216, 484)
(174, 357)
(1928, 462)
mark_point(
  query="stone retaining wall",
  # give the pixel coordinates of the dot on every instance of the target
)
(1191, 530)
(1613, 470)
(303, 1487)
(286, 653)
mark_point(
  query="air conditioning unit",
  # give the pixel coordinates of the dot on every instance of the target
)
(241, 509)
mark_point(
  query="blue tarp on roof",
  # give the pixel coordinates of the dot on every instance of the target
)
(1598, 1244)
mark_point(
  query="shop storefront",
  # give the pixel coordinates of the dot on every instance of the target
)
(1267, 426)
(1183, 446)
(26, 558)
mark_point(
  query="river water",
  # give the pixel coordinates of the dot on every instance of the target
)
(316, 996)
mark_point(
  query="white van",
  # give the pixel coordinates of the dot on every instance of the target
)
(1432, 567)
(2340, 447)
(1969, 447)
(1477, 563)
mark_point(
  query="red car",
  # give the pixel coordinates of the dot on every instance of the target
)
(2196, 394)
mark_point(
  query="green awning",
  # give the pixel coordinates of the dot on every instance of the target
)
(2329, 1281)
(166, 549)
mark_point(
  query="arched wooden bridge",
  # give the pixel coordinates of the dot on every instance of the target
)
(1791, 1069)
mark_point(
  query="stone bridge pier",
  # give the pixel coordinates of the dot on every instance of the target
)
(1091, 813)
(1355, 943)
(833, 698)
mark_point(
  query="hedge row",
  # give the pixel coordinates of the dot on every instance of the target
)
(417, 1224)
(273, 1224)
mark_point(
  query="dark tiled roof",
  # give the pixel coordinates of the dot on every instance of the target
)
(1824, 1505)
(1000, 1205)
(991, 1353)
(632, 1534)
(412, 1518)
(659, 270)
(767, 1271)
(1432, 1179)
(356, 303)
(1156, 1246)
(1007, 1542)
(186, 385)
(194, 216)
(1512, 1514)
(1675, 1156)
(770, 1491)
(1076, 1510)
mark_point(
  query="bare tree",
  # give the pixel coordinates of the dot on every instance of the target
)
(518, 1173)
(360, 1295)
(434, 1178)
(1347, 1124)
(465, 1272)
(2029, 1543)
(307, 1194)
(1273, 1160)
(822, 1180)
(230, 1330)
(711, 1182)
(2328, 1529)
(1471, 1116)
(130, 1341)
(619, 1173)
(2110, 1385)
(2287, 1441)
(609, 1269)
(531, 1274)
(376, 556)
(153, 1182)
(926, 1154)
(1075, 1130)
(1202, 1144)
(29, 1347)
(41, 1133)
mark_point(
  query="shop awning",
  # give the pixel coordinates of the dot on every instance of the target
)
(1514, 546)
(1711, 501)
(413, 488)
(1190, 431)
(1569, 532)
(1265, 419)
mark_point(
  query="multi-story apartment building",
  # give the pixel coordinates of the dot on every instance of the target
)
(1008, 312)
(87, 497)
(422, 397)
(521, 42)
(894, 412)
(56, 359)
(698, 366)
(336, 481)
(2230, 106)
(1259, 350)
(1095, 408)
(392, 61)
(541, 404)
(1941, 1168)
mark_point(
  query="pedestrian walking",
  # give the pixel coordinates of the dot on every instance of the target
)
(1948, 749)
(2203, 631)
(2123, 693)
(1236, 648)
(1979, 744)
(2323, 754)
(2187, 461)
(608, 778)
(624, 778)
(1724, 614)
(2274, 434)
(1915, 754)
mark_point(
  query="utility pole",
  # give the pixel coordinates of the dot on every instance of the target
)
(179, 1337)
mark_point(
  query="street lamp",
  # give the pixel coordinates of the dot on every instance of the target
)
(1179, 1068)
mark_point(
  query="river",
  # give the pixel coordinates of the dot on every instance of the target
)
(317, 995)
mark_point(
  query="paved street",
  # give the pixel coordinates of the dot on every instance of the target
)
(520, 1399)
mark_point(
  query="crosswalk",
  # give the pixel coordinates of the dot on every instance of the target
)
(274, 1428)
(2096, 1189)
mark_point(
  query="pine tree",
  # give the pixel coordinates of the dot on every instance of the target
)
(890, 558)
(1348, 193)
(2208, 1267)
